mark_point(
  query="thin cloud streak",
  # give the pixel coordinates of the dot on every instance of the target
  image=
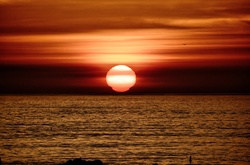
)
(145, 47)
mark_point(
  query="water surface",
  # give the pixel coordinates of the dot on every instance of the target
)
(125, 129)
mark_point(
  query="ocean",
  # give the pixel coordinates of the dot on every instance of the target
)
(125, 129)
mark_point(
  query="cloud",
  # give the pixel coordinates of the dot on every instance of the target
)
(79, 16)
(12, 1)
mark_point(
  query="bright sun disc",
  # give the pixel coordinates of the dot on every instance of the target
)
(121, 78)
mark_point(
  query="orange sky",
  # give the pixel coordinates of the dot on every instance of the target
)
(173, 46)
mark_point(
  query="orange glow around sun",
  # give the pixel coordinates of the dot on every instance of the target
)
(121, 78)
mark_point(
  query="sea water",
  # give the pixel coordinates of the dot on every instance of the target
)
(125, 129)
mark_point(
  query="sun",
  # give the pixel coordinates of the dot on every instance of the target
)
(121, 78)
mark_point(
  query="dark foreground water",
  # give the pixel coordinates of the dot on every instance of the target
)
(125, 129)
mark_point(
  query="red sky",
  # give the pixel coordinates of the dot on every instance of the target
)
(173, 46)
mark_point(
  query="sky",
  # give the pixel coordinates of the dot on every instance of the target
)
(173, 46)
